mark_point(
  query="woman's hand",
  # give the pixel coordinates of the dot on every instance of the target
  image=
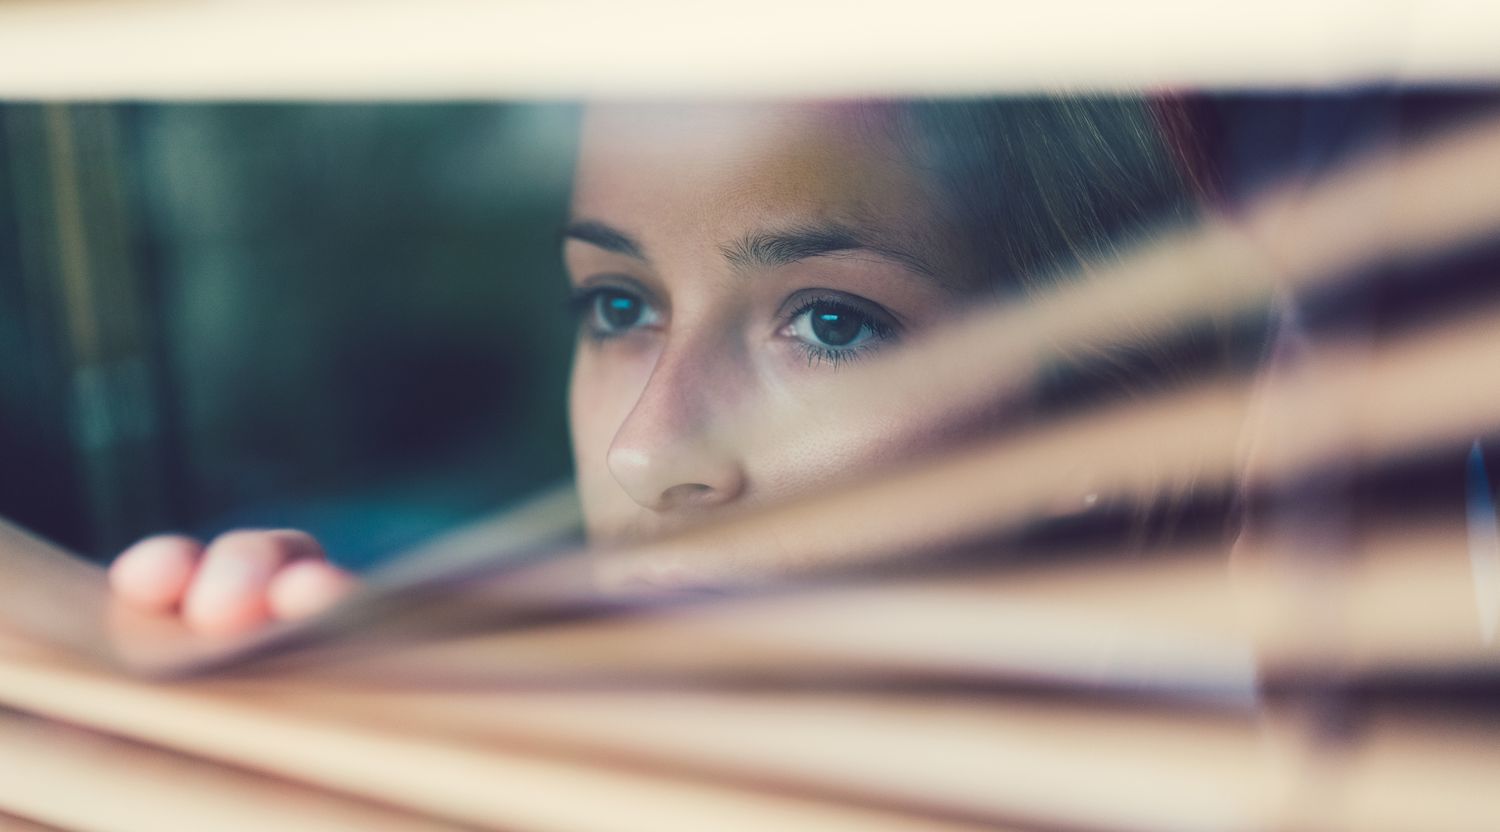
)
(240, 581)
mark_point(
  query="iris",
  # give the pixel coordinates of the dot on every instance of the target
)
(835, 327)
(618, 310)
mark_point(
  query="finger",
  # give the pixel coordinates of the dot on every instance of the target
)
(229, 592)
(306, 588)
(155, 573)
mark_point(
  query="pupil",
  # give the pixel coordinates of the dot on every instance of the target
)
(621, 311)
(835, 328)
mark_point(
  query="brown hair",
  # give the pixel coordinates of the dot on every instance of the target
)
(1039, 186)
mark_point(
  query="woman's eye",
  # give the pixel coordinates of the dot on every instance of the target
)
(609, 312)
(834, 331)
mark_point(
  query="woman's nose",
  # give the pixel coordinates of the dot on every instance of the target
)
(667, 455)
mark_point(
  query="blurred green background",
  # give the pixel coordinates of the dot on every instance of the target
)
(343, 318)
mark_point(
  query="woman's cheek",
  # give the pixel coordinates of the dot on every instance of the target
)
(816, 460)
(826, 443)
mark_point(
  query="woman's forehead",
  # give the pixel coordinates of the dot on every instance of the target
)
(729, 165)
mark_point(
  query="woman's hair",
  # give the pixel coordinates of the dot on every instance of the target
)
(1036, 187)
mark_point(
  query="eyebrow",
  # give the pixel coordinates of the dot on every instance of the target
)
(766, 249)
(603, 236)
(780, 248)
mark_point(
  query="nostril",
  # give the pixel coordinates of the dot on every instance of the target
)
(689, 494)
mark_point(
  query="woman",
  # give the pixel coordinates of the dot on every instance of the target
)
(726, 259)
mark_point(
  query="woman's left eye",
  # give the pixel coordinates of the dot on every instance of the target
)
(609, 312)
(834, 331)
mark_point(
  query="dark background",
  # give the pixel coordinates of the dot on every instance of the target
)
(344, 318)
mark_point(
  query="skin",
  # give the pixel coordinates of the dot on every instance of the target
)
(711, 250)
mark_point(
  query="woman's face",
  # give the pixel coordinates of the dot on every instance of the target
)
(729, 259)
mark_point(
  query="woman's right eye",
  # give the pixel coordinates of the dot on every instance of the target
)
(608, 312)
